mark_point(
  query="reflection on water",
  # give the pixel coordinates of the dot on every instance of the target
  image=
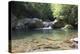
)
(25, 38)
(40, 33)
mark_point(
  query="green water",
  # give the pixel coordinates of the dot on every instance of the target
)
(24, 38)
(56, 34)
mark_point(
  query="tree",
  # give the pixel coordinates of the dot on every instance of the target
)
(69, 13)
(31, 10)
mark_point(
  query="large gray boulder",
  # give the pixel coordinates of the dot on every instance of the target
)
(29, 23)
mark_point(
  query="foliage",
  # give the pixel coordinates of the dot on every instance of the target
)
(69, 13)
(45, 11)
(32, 10)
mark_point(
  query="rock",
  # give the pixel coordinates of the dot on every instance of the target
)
(35, 41)
(74, 45)
(58, 24)
(67, 27)
(28, 23)
(50, 39)
(38, 23)
(74, 42)
(13, 21)
(67, 41)
(35, 23)
(52, 47)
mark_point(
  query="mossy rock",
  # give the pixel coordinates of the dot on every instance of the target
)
(59, 24)
(67, 26)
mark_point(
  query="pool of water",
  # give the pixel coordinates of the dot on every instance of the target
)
(28, 41)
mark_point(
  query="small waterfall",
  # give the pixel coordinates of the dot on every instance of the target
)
(47, 29)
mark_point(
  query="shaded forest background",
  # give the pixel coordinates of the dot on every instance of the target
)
(65, 13)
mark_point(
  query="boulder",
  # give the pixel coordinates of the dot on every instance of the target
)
(29, 23)
(35, 23)
(67, 26)
(58, 24)
(74, 42)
